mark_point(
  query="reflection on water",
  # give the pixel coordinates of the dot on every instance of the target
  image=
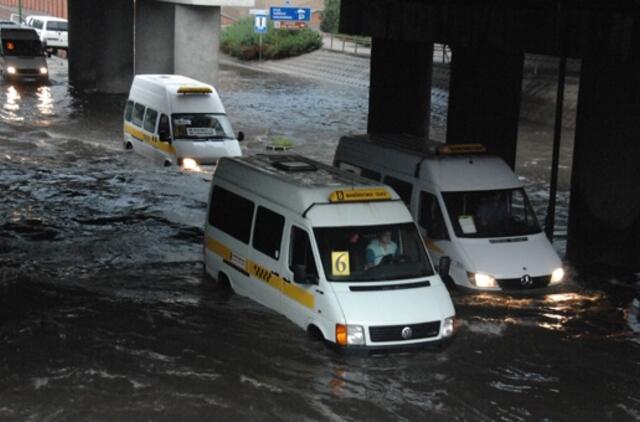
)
(11, 105)
(45, 100)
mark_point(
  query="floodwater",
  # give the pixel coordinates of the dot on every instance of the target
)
(106, 315)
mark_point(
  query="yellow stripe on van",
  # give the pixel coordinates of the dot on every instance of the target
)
(218, 248)
(265, 275)
(154, 141)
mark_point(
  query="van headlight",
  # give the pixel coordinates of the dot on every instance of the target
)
(11, 70)
(482, 280)
(557, 275)
(448, 327)
(44, 70)
(190, 164)
(350, 335)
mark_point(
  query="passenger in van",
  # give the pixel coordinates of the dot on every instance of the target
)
(380, 248)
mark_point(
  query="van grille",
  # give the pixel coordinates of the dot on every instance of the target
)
(518, 284)
(394, 332)
(27, 71)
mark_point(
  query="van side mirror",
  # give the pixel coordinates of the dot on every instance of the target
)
(444, 266)
(240, 136)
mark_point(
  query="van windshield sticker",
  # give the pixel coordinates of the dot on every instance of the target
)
(340, 263)
(183, 122)
(201, 131)
(467, 224)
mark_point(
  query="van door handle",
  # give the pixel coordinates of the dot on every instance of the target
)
(286, 280)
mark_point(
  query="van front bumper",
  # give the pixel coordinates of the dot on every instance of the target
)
(433, 345)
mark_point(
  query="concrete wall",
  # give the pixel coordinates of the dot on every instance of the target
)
(196, 49)
(101, 45)
(169, 38)
(154, 49)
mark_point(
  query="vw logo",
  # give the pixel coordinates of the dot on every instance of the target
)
(526, 280)
(407, 332)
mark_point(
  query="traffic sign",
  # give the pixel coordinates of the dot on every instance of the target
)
(260, 24)
(289, 25)
(290, 14)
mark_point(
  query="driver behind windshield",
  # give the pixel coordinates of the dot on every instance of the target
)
(379, 248)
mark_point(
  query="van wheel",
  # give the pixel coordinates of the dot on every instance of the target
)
(128, 145)
(167, 163)
(315, 333)
(223, 282)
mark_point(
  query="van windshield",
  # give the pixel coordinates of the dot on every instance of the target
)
(22, 48)
(372, 253)
(491, 213)
(201, 126)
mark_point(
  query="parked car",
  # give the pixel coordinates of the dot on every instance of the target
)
(53, 32)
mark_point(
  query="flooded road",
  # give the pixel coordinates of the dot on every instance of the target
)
(106, 314)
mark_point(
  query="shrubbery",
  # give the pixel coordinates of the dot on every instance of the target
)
(240, 40)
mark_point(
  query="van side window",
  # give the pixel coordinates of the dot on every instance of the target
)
(138, 115)
(164, 129)
(267, 232)
(231, 213)
(403, 188)
(300, 252)
(150, 119)
(128, 111)
(431, 217)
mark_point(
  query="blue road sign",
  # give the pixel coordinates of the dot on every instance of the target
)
(290, 14)
(260, 24)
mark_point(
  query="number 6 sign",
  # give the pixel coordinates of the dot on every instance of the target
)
(340, 263)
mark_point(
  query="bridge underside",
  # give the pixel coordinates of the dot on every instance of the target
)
(488, 39)
(111, 41)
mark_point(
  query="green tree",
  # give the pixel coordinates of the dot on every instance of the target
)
(331, 16)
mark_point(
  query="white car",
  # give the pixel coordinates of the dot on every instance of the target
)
(53, 32)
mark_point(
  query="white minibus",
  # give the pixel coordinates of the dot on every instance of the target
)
(337, 254)
(471, 207)
(173, 119)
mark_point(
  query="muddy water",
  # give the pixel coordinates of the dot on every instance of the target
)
(106, 315)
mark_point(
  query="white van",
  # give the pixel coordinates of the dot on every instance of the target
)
(178, 120)
(335, 253)
(53, 32)
(471, 207)
(21, 55)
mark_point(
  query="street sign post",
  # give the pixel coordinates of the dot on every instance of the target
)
(260, 26)
(290, 14)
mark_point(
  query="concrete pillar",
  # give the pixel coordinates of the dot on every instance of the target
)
(400, 88)
(604, 221)
(197, 42)
(484, 100)
(115, 49)
(83, 41)
(101, 45)
(154, 37)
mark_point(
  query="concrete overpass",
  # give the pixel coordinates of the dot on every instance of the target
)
(489, 39)
(110, 41)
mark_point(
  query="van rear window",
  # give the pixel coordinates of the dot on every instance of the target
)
(231, 213)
